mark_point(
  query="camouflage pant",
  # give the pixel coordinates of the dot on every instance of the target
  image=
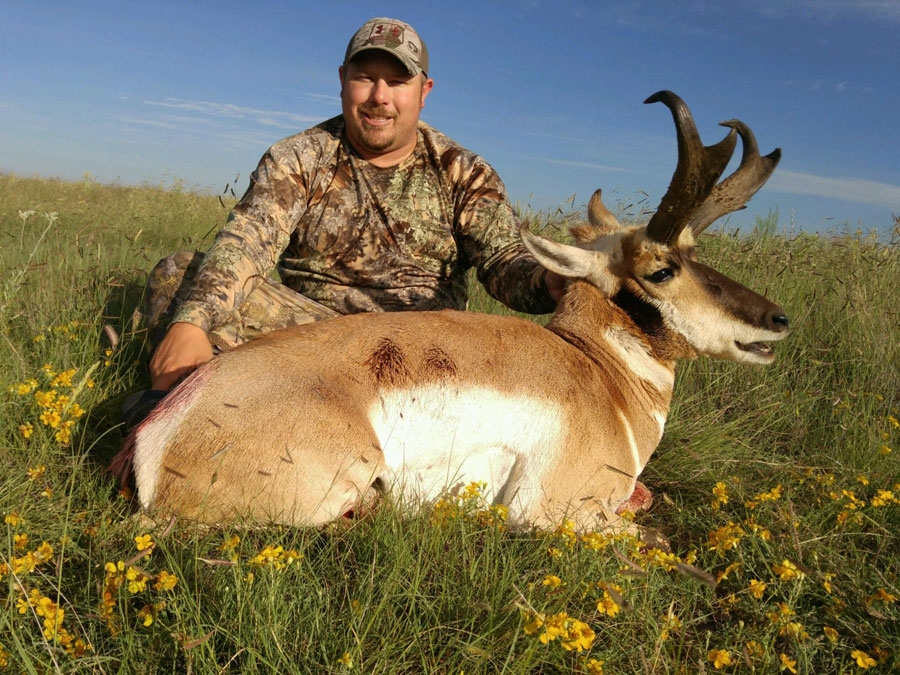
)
(271, 305)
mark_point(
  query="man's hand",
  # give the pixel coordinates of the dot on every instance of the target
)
(182, 350)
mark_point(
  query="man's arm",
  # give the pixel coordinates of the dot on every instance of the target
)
(244, 252)
(488, 234)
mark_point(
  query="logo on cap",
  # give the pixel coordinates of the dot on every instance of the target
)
(391, 35)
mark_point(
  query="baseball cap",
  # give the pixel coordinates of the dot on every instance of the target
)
(395, 37)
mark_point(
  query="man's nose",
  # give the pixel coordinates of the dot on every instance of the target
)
(381, 91)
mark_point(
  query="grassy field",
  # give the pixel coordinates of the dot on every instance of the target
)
(778, 487)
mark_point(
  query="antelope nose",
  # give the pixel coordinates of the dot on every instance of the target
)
(779, 322)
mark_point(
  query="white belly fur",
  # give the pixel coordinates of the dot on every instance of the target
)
(438, 438)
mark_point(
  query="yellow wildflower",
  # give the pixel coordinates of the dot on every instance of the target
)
(63, 379)
(13, 519)
(670, 623)
(579, 636)
(64, 435)
(533, 624)
(593, 667)
(146, 615)
(787, 571)
(728, 570)
(787, 663)
(165, 581)
(143, 541)
(782, 616)
(566, 532)
(720, 492)
(795, 630)
(45, 399)
(573, 634)
(24, 565)
(726, 537)
(37, 472)
(757, 588)
(43, 553)
(863, 660)
(51, 418)
(831, 634)
(607, 605)
(595, 541)
(880, 595)
(751, 526)
(659, 558)
(553, 625)
(346, 660)
(229, 546)
(493, 516)
(552, 581)
(771, 496)
(719, 658)
(881, 498)
(755, 650)
(473, 491)
(24, 388)
(26, 430)
(20, 541)
(137, 580)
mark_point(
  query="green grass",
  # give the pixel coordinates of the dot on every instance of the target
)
(805, 452)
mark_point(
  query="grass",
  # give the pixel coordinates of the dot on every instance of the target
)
(778, 487)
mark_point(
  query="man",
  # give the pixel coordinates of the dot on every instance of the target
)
(372, 210)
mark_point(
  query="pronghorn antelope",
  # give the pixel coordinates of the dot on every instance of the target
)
(306, 424)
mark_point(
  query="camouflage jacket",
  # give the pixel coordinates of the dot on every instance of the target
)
(359, 238)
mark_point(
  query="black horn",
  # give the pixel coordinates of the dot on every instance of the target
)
(699, 168)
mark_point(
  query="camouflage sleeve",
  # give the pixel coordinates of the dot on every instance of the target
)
(246, 250)
(489, 237)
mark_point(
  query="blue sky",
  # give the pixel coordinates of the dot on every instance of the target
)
(550, 93)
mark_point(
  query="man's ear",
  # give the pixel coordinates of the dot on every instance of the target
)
(427, 85)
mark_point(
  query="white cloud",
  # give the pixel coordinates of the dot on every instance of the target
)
(872, 10)
(581, 165)
(849, 189)
(231, 111)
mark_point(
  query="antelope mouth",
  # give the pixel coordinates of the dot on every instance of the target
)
(759, 349)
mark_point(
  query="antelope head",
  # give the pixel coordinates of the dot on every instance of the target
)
(683, 307)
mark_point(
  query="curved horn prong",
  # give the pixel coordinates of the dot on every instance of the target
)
(696, 173)
(735, 191)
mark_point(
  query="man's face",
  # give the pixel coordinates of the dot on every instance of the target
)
(381, 103)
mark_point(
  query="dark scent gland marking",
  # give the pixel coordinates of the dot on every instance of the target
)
(439, 363)
(387, 363)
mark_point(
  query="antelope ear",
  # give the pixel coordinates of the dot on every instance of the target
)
(568, 261)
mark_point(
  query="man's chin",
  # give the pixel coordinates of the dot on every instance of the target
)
(377, 143)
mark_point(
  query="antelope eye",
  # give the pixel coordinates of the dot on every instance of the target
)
(660, 276)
